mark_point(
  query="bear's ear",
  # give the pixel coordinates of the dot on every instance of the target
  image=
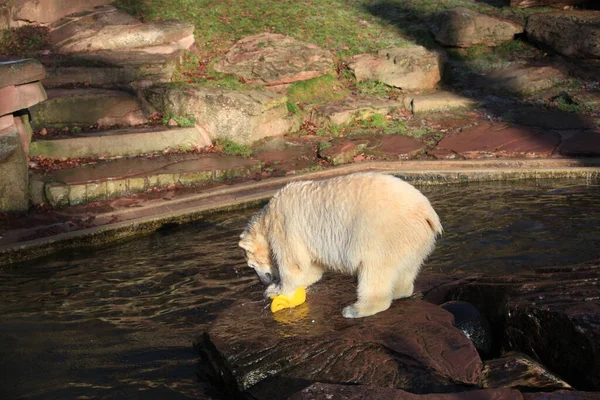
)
(245, 244)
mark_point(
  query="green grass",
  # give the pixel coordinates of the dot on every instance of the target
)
(317, 90)
(344, 26)
(182, 120)
(233, 148)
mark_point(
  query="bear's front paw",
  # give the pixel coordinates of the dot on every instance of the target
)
(272, 290)
(350, 312)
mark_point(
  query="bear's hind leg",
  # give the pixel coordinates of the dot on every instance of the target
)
(375, 290)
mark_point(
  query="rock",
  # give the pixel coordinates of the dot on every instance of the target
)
(462, 27)
(440, 101)
(472, 323)
(14, 178)
(48, 11)
(240, 115)
(85, 107)
(342, 150)
(275, 60)
(522, 80)
(550, 315)
(15, 98)
(326, 391)
(397, 147)
(550, 3)
(348, 110)
(408, 68)
(562, 395)
(105, 35)
(500, 139)
(18, 72)
(551, 119)
(580, 143)
(518, 371)
(120, 142)
(412, 346)
(563, 32)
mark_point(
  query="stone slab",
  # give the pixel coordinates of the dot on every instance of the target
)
(15, 98)
(48, 11)
(548, 119)
(121, 142)
(326, 391)
(18, 72)
(516, 370)
(440, 101)
(397, 147)
(348, 110)
(86, 107)
(126, 176)
(580, 143)
(411, 346)
(500, 139)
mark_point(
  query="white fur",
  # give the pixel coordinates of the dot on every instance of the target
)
(373, 225)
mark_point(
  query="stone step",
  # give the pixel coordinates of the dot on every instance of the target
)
(119, 142)
(125, 176)
(348, 110)
(85, 107)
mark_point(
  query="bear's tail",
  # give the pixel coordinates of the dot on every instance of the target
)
(433, 220)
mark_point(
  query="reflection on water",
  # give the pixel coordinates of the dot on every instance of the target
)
(119, 322)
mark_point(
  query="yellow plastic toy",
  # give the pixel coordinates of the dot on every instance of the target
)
(282, 301)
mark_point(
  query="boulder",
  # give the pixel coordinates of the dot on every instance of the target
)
(571, 33)
(240, 115)
(518, 371)
(48, 11)
(408, 68)
(462, 27)
(412, 346)
(551, 315)
(275, 60)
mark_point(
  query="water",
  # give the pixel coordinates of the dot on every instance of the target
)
(119, 322)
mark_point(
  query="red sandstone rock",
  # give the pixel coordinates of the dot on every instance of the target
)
(15, 98)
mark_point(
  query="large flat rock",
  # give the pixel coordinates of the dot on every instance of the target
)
(120, 142)
(412, 346)
(274, 60)
(348, 110)
(325, 391)
(19, 97)
(48, 11)
(499, 139)
(86, 107)
(18, 72)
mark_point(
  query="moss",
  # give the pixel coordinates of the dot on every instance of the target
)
(317, 90)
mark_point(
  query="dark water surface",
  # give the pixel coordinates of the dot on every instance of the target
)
(119, 322)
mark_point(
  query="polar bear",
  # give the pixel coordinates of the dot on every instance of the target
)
(372, 225)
